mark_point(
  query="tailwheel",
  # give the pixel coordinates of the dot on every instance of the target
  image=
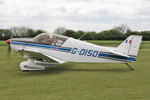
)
(130, 68)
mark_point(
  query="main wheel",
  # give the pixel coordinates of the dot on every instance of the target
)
(131, 69)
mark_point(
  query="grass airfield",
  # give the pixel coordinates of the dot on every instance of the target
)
(76, 81)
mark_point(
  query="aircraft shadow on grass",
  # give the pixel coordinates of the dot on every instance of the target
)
(71, 68)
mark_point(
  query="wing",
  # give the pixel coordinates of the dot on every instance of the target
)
(37, 55)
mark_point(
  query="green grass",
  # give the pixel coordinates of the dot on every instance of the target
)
(3, 43)
(76, 81)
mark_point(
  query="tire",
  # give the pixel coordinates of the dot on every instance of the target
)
(131, 69)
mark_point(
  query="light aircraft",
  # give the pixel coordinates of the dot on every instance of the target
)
(47, 47)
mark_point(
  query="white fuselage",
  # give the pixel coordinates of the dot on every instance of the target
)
(72, 51)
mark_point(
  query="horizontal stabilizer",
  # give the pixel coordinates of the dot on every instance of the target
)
(118, 53)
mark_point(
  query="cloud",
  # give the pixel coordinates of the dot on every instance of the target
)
(1, 2)
(88, 15)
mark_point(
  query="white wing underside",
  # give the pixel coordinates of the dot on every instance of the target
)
(36, 54)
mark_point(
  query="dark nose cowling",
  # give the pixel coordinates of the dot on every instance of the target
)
(8, 41)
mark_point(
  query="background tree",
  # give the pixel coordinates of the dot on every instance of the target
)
(78, 34)
(5, 34)
(90, 36)
(104, 35)
(122, 28)
(24, 32)
(60, 30)
(37, 32)
(146, 35)
(69, 33)
(129, 32)
(116, 35)
(113, 34)
(19, 31)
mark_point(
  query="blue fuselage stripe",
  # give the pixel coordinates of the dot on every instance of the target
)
(42, 46)
(117, 57)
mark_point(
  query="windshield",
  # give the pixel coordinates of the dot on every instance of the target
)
(51, 39)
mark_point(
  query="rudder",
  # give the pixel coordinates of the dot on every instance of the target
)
(130, 46)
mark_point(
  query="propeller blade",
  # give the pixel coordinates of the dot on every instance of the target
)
(9, 48)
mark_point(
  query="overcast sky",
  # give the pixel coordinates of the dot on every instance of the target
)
(87, 15)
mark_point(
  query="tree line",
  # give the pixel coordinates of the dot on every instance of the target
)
(117, 33)
(15, 32)
(106, 35)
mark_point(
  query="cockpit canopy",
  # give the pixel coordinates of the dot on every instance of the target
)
(51, 39)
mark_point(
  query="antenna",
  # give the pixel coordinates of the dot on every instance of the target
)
(11, 35)
(82, 36)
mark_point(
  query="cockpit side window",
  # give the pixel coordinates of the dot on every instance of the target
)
(59, 40)
(50, 39)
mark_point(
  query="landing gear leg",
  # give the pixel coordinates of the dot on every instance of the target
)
(130, 68)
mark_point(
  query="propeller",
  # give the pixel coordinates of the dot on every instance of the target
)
(9, 48)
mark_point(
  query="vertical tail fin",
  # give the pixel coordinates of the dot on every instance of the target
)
(130, 46)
